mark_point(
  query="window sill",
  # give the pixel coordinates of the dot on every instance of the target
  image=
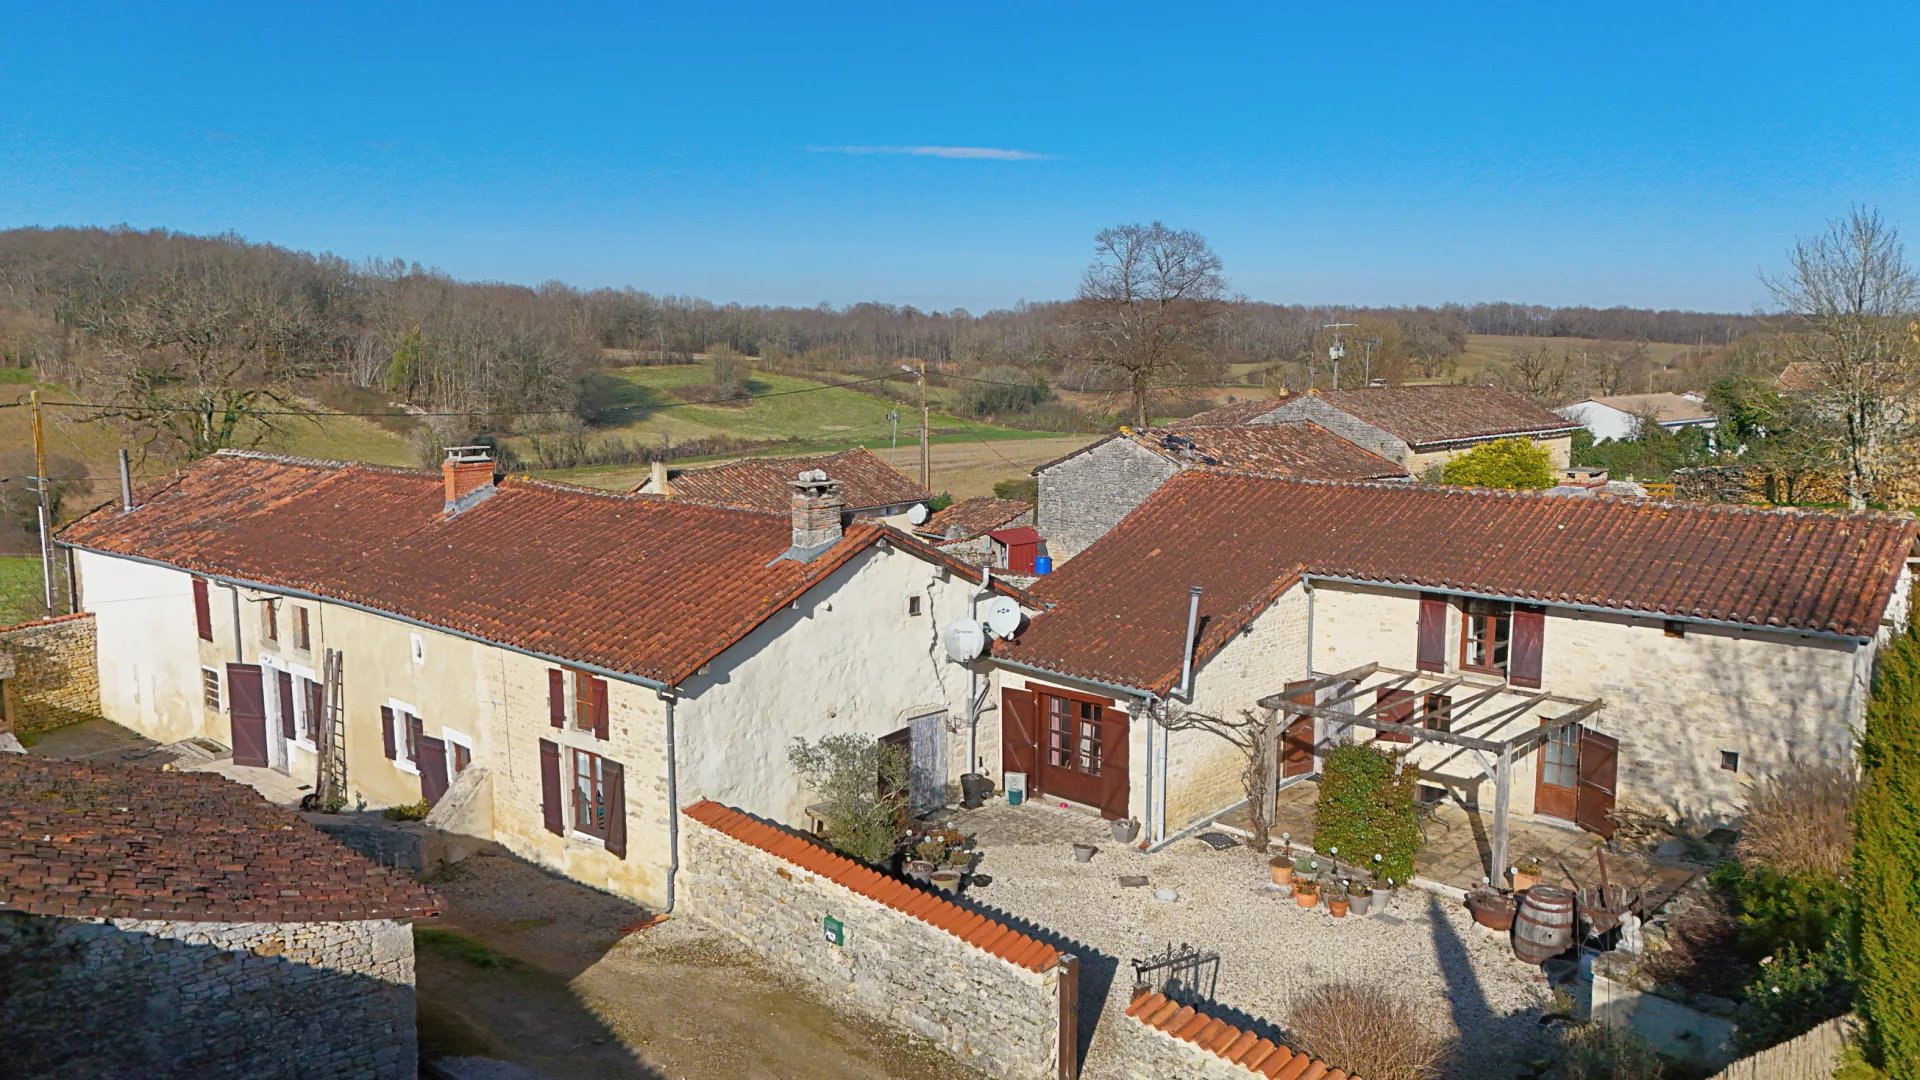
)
(406, 766)
(305, 744)
(575, 836)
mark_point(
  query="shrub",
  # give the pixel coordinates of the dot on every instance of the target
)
(1503, 463)
(1886, 859)
(1374, 1031)
(1796, 991)
(1800, 819)
(849, 774)
(1598, 1052)
(1000, 390)
(1022, 488)
(409, 812)
(1366, 808)
(1778, 911)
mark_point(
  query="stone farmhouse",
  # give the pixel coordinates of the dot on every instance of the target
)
(602, 659)
(1538, 654)
(871, 487)
(1422, 427)
(1087, 492)
(174, 924)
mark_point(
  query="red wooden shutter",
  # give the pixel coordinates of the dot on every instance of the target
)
(1529, 630)
(557, 697)
(202, 610)
(598, 688)
(613, 781)
(1433, 633)
(1113, 763)
(550, 788)
(1598, 765)
(432, 760)
(386, 732)
(284, 681)
(1020, 735)
(247, 710)
(1397, 708)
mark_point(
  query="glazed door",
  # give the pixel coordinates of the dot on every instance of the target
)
(1556, 789)
(1296, 746)
(1074, 751)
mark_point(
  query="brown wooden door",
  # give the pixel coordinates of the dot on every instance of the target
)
(430, 756)
(1555, 792)
(1296, 745)
(247, 711)
(1599, 760)
(1396, 707)
(1020, 735)
(1075, 742)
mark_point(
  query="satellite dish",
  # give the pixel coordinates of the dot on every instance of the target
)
(917, 514)
(965, 641)
(1004, 617)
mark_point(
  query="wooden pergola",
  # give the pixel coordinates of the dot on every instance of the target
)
(1494, 756)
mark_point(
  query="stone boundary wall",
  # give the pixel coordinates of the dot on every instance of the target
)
(55, 674)
(164, 999)
(1162, 1038)
(1813, 1056)
(986, 993)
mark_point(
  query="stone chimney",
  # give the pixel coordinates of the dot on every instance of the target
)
(469, 474)
(817, 509)
(660, 485)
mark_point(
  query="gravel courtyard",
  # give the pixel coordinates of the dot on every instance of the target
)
(1423, 944)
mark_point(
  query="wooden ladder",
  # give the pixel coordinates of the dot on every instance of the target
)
(331, 783)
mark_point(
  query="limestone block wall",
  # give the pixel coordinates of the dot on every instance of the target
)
(1159, 1038)
(984, 992)
(55, 673)
(1349, 427)
(124, 997)
(1084, 496)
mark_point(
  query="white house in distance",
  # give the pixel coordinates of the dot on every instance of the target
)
(578, 664)
(1619, 416)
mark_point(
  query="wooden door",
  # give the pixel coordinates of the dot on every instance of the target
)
(1074, 748)
(430, 756)
(1599, 760)
(927, 764)
(1555, 791)
(1296, 745)
(1396, 707)
(1020, 735)
(247, 711)
(901, 741)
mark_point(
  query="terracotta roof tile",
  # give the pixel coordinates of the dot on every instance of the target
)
(1298, 448)
(1431, 415)
(866, 482)
(99, 841)
(1245, 539)
(1231, 415)
(970, 518)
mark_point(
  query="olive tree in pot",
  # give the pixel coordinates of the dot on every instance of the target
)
(861, 784)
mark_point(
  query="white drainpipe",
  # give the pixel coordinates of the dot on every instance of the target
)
(1185, 692)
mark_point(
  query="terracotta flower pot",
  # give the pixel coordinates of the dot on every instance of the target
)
(1337, 906)
(1282, 875)
(1523, 882)
(1306, 899)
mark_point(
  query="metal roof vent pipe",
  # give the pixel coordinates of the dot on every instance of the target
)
(1185, 693)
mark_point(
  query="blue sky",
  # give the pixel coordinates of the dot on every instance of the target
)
(1642, 154)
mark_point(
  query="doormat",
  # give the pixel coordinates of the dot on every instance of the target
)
(1218, 841)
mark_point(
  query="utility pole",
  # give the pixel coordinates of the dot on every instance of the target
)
(893, 425)
(40, 485)
(1338, 349)
(1366, 366)
(926, 454)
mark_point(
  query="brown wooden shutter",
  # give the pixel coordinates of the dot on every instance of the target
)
(1599, 759)
(1396, 708)
(432, 761)
(316, 706)
(1020, 735)
(284, 681)
(386, 732)
(1529, 630)
(202, 610)
(550, 788)
(557, 697)
(1433, 632)
(613, 780)
(598, 688)
(247, 710)
(1113, 763)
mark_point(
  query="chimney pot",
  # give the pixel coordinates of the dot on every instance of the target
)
(817, 509)
(468, 471)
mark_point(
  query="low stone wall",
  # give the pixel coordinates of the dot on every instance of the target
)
(49, 673)
(124, 997)
(1160, 1038)
(986, 993)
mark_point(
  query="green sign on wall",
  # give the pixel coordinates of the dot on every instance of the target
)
(835, 930)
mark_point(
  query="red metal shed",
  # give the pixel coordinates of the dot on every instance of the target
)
(1015, 549)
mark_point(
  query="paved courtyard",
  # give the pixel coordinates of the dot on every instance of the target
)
(105, 741)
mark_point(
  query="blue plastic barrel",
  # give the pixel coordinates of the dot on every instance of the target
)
(1043, 564)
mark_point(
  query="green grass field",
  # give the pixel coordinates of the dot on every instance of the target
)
(1487, 350)
(20, 595)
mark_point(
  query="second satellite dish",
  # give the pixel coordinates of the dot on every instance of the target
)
(1003, 616)
(917, 514)
(965, 641)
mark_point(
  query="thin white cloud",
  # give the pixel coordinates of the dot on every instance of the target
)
(971, 153)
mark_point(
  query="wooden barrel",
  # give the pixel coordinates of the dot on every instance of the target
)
(1544, 927)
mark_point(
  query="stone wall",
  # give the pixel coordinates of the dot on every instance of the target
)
(1349, 427)
(55, 676)
(1161, 1038)
(92, 998)
(1086, 495)
(985, 1010)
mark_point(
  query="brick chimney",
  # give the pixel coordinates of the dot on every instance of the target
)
(817, 509)
(469, 474)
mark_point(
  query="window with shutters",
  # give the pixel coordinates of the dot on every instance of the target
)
(582, 704)
(1073, 734)
(1438, 713)
(302, 631)
(589, 794)
(407, 730)
(1486, 636)
(459, 751)
(202, 610)
(210, 688)
(307, 693)
(270, 620)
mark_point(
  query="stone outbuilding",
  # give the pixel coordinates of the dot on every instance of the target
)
(174, 924)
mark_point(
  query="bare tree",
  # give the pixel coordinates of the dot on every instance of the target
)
(1851, 296)
(1149, 307)
(1537, 372)
(1257, 737)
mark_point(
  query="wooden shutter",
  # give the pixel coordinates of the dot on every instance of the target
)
(598, 688)
(386, 732)
(284, 682)
(550, 808)
(1598, 767)
(202, 610)
(1113, 763)
(1529, 630)
(1433, 633)
(557, 697)
(247, 710)
(1020, 735)
(1396, 708)
(316, 706)
(432, 760)
(613, 781)
(419, 731)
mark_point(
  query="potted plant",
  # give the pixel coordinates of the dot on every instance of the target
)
(1526, 874)
(1125, 829)
(1493, 909)
(1307, 869)
(1306, 892)
(1337, 901)
(1281, 868)
(945, 880)
(1360, 897)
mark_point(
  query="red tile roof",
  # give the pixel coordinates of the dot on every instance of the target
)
(1233, 415)
(85, 840)
(1122, 604)
(1259, 1056)
(1431, 415)
(645, 586)
(866, 482)
(1300, 449)
(973, 927)
(973, 517)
